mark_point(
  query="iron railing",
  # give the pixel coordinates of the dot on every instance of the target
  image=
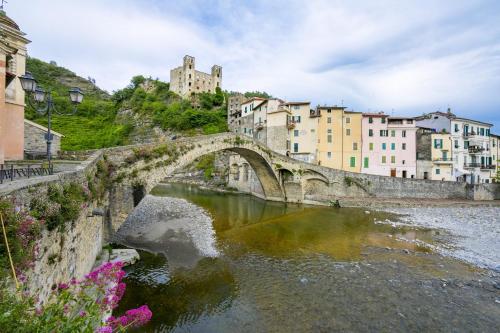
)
(11, 172)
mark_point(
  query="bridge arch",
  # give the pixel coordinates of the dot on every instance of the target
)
(258, 157)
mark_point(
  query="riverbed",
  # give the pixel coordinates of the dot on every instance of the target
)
(219, 262)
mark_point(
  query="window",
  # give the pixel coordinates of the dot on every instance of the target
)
(384, 146)
(393, 146)
(347, 120)
(384, 159)
(288, 144)
(403, 133)
(370, 120)
(295, 147)
(371, 145)
(393, 159)
(456, 128)
(329, 120)
(488, 132)
(370, 132)
(438, 143)
(354, 146)
(384, 133)
(329, 154)
(393, 133)
(466, 144)
(348, 132)
(329, 131)
(329, 139)
(353, 161)
(456, 144)
(297, 119)
(296, 133)
(438, 171)
(296, 107)
(245, 130)
(409, 121)
(403, 146)
(365, 162)
(482, 131)
(382, 120)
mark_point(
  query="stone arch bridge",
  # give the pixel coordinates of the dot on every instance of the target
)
(282, 178)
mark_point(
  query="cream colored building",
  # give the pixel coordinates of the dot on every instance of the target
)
(12, 65)
(303, 137)
(185, 80)
(495, 156)
(339, 138)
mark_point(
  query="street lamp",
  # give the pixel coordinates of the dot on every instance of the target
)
(45, 104)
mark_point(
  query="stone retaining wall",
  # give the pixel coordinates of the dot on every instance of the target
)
(61, 255)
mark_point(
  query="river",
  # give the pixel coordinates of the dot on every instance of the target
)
(262, 266)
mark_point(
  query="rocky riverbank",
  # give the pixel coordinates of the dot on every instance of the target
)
(471, 234)
(174, 227)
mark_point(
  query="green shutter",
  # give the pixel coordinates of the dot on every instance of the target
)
(353, 162)
(366, 162)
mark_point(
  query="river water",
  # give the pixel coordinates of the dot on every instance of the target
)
(273, 267)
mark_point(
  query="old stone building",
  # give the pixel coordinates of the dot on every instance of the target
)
(234, 110)
(35, 141)
(185, 80)
(12, 65)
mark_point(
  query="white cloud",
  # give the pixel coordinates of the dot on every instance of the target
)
(411, 56)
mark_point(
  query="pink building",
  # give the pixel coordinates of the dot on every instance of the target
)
(389, 145)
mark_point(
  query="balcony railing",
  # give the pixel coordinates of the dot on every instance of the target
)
(488, 167)
(475, 149)
(259, 126)
(443, 160)
(472, 165)
(290, 124)
(469, 134)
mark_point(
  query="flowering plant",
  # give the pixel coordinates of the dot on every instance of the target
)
(76, 306)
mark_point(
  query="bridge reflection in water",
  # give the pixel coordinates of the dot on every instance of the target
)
(269, 252)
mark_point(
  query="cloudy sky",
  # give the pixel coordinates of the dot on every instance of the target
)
(402, 57)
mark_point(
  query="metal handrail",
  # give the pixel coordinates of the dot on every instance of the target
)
(11, 173)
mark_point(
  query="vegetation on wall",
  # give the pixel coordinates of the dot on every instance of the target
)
(207, 164)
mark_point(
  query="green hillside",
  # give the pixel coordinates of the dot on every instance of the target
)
(127, 115)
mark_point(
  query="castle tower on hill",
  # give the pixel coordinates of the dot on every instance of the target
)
(185, 80)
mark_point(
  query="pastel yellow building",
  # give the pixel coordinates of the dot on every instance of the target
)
(302, 124)
(339, 138)
(441, 154)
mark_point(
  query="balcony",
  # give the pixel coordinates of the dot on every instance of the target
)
(488, 167)
(259, 126)
(472, 165)
(290, 124)
(447, 160)
(469, 134)
(475, 149)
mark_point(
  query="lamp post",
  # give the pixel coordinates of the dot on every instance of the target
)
(45, 105)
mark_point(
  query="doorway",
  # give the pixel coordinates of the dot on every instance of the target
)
(393, 172)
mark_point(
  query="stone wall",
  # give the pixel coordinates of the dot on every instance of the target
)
(34, 139)
(61, 255)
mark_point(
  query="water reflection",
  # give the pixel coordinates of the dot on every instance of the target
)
(282, 268)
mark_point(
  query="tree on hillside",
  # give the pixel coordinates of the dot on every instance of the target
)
(263, 94)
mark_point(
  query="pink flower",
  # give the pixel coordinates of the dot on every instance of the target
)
(62, 286)
(139, 316)
(105, 329)
(82, 314)
(123, 320)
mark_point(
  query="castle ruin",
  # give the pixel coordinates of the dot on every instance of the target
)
(185, 80)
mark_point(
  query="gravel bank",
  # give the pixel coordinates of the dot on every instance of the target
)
(471, 234)
(175, 227)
